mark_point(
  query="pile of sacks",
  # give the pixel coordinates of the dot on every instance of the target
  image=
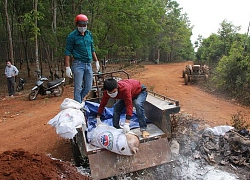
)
(69, 118)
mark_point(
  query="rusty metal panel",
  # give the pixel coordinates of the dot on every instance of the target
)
(106, 164)
(158, 111)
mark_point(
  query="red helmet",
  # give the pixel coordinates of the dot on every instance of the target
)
(81, 19)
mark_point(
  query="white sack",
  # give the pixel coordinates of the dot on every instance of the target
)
(68, 119)
(71, 103)
(220, 130)
(110, 138)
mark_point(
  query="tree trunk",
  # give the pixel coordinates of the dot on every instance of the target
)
(36, 39)
(54, 51)
(9, 32)
(158, 55)
(54, 7)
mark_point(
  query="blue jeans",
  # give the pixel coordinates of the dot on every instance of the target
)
(83, 77)
(138, 103)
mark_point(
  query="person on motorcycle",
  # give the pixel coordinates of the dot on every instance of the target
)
(80, 45)
(127, 92)
(10, 72)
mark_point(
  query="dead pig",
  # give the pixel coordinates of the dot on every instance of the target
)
(114, 140)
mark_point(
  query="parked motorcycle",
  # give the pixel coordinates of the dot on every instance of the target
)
(55, 87)
(21, 84)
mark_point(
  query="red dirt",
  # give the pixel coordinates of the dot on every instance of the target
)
(20, 164)
(24, 123)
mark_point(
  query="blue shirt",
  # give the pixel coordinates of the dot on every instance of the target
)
(81, 47)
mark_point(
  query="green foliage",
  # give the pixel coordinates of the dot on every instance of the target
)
(210, 51)
(29, 21)
(227, 33)
(125, 24)
(139, 29)
(175, 36)
(213, 48)
(232, 73)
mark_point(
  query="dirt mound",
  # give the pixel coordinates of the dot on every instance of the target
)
(20, 164)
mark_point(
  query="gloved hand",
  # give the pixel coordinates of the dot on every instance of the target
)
(68, 72)
(126, 128)
(98, 121)
(97, 65)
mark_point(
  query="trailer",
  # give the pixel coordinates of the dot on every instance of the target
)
(153, 151)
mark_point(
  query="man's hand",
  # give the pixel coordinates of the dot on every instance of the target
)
(98, 121)
(68, 72)
(126, 128)
(97, 65)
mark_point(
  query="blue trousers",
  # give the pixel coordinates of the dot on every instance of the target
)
(138, 103)
(83, 77)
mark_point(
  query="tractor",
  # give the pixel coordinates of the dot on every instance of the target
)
(195, 72)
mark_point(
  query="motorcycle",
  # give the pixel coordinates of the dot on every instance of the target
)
(55, 87)
(21, 84)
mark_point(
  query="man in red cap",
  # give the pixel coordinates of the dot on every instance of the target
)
(80, 46)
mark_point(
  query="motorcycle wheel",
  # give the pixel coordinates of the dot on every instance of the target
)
(60, 90)
(19, 88)
(33, 95)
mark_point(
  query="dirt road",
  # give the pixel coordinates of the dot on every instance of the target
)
(23, 123)
(167, 80)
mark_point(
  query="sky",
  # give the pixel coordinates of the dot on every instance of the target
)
(206, 15)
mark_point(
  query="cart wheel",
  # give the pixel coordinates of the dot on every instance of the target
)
(19, 88)
(79, 159)
(186, 79)
(183, 73)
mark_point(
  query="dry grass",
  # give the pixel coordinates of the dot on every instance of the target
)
(239, 122)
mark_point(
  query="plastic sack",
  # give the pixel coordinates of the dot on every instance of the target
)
(68, 119)
(110, 138)
(220, 130)
(70, 103)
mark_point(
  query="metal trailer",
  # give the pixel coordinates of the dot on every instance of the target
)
(195, 72)
(153, 151)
